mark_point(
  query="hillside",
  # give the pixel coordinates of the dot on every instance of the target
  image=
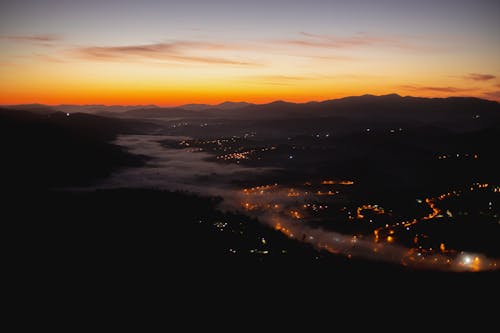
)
(51, 150)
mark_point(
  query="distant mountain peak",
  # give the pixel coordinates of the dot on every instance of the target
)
(227, 105)
(232, 105)
(280, 101)
(393, 95)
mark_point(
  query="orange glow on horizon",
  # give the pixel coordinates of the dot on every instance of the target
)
(180, 98)
(132, 84)
(56, 96)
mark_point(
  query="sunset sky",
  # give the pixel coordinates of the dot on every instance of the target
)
(174, 52)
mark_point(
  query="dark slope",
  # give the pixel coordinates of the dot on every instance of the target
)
(51, 150)
(35, 108)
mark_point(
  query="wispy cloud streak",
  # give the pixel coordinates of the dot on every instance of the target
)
(289, 79)
(338, 42)
(48, 58)
(479, 77)
(182, 51)
(435, 89)
(43, 38)
(278, 80)
(493, 94)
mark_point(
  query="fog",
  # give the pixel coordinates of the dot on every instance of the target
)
(183, 169)
(176, 169)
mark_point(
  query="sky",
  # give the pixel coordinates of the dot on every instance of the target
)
(176, 52)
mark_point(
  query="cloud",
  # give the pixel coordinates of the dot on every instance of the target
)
(287, 80)
(333, 57)
(337, 42)
(181, 51)
(283, 77)
(435, 89)
(48, 58)
(479, 77)
(278, 80)
(493, 94)
(39, 39)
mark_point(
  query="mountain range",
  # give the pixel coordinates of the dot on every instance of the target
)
(366, 107)
(72, 108)
(385, 106)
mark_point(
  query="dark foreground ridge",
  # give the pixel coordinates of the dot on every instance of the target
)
(158, 232)
(54, 149)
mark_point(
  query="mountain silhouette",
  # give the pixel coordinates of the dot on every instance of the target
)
(97, 108)
(366, 107)
(45, 150)
(35, 108)
(221, 106)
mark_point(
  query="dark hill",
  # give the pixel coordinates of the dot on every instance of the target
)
(52, 150)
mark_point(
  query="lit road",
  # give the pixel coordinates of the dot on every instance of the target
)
(280, 207)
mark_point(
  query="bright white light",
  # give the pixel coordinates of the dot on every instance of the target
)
(467, 260)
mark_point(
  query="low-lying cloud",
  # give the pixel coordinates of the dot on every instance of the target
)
(175, 169)
(277, 216)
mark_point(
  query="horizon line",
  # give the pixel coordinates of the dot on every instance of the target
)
(243, 101)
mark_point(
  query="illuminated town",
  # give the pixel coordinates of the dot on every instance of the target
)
(421, 251)
(333, 215)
